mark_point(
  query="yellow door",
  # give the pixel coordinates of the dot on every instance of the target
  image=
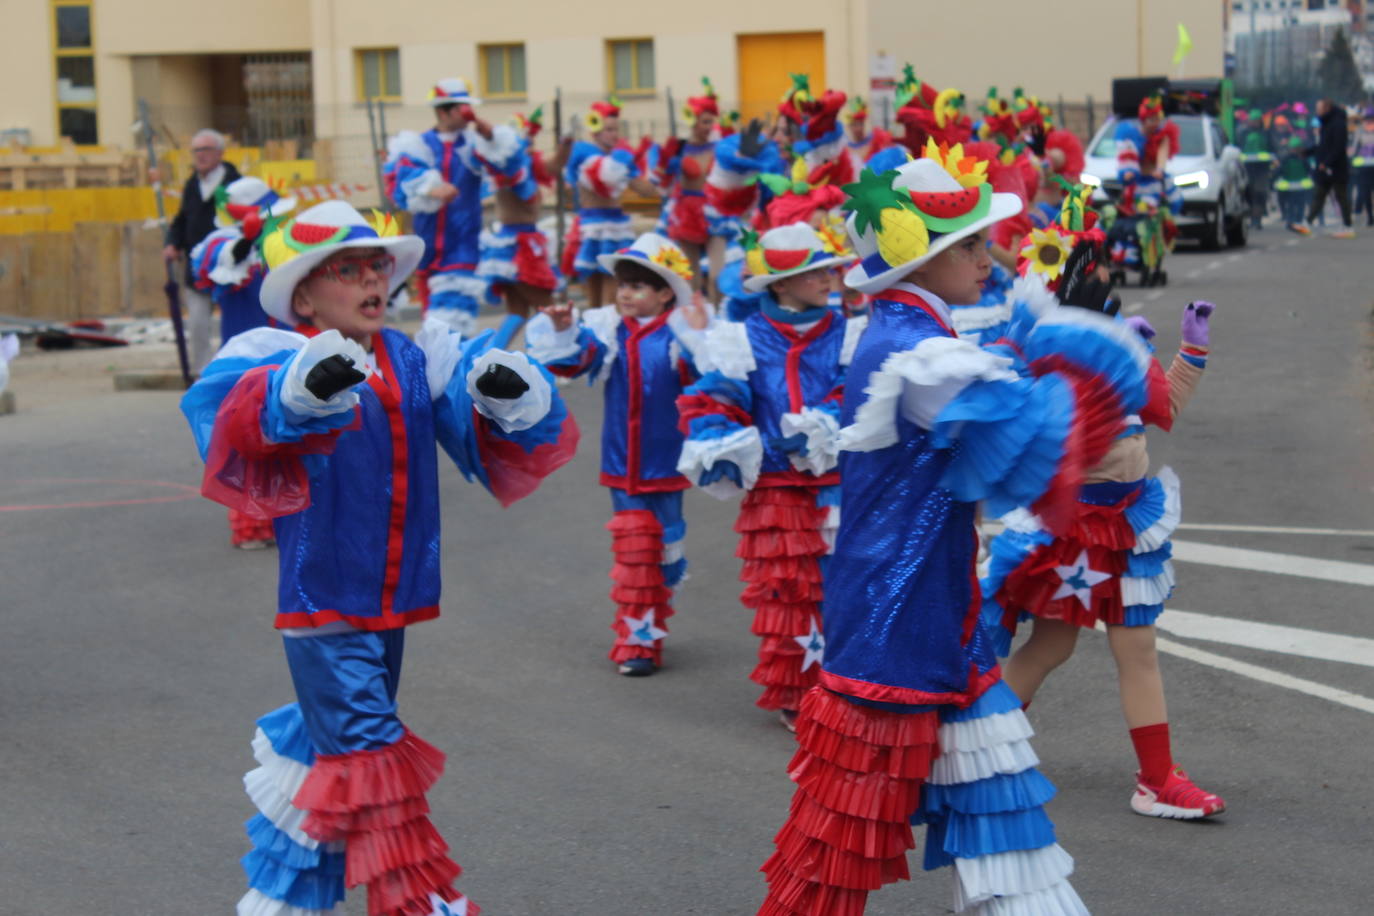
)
(765, 62)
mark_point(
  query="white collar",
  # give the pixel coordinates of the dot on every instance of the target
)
(448, 136)
(941, 308)
(210, 181)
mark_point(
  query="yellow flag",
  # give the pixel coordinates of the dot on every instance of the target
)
(1184, 46)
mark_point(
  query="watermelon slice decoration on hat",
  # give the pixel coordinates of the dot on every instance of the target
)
(947, 211)
(304, 236)
(779, 260)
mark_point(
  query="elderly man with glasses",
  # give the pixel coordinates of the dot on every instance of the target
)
(192, 223)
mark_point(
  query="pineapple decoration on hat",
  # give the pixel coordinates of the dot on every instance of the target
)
(903, 217)
(452, 90)
(659, 254)
(786, 251)
(301, 244)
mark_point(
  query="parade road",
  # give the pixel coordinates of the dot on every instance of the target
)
(138, 650)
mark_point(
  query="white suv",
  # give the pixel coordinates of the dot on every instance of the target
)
(1207, 169)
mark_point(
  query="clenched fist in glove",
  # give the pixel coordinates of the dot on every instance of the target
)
(498, 381)
(1196, 324)
(332, 375)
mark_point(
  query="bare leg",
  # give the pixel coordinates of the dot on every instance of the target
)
(693, 252)
(1050, 645)
(595, 284)
(715, 255)
(1137, 671)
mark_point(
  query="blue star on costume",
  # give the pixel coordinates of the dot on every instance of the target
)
(643, 630)
(814, 645)
(1079, 579)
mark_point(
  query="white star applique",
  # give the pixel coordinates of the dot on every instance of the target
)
(643, 631)
(442, 907)
(814, 644)
(1078, 580)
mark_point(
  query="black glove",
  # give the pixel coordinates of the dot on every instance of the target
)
(501, 382)
(751, 142)
(1080, 286)
(1036, 140)
(332, 375)
(241, 249)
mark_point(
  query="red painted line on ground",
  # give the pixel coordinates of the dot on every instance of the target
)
(187, 492)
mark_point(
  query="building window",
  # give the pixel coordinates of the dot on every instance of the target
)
(503, 71)
(630, 65)
(378, 73)
(74, 70)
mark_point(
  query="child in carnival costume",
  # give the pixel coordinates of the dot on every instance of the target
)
(1140, 225)
(644, 348)
(229, 265)
(601, 170)
(1257, 152)
(331, 430)
(693, 221)
(1111, 563)
(863, 143)
(515, 261)
(437, 177)
(927, 113)
(910, 723)
(765, 419)
(821, 138)
(1156, 141)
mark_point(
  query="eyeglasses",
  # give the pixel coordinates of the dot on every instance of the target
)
(350, 270)
(205, 149)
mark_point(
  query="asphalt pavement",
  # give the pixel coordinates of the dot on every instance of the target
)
(138, 650)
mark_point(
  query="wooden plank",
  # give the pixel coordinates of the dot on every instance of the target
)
(147, 273)
(13, 255)
(48, 282)
(96, 253)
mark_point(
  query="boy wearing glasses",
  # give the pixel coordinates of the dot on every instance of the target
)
(437, 176)
(331, 431)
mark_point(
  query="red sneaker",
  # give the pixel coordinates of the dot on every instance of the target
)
(1178, 798)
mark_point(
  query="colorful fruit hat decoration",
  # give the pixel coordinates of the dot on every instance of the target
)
(928, 113)
(797, 100)
(903, 217)
(661, 255)
(244, 199)
(529, 128)
(1151, 106)
(706, 103)
(857, 111)
(452, 90)
(786, 251)
(298, 245)
(1030, 111)
(729, 123)
(530, 125)
(595, 119)
(999, 121)
(1046, 251)
(802, 193)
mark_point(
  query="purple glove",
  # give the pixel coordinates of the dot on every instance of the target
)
(1194, 326)
(1141, 326)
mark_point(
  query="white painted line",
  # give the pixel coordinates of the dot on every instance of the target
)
(1213, 265)
(1133, 308)
(1282, 563)
(1267, 529)
(1237, 257)
(1268, 637)
(1192, 275)
(1291, 242)
(1268, 676)
(1152, 296)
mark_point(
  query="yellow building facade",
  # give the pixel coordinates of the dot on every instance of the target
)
(302, 69)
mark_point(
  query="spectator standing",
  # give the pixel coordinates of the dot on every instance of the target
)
(1362, 163)
(193, 222)
(1332, 169)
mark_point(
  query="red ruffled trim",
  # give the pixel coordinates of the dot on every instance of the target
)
(637, 545)
(246, 472)
(636, 486)
(687, 220)
(374, 801)
(512, 472)
(691, 406)
(780, 543)
(243, 528)
(732, 202)
(1158, 410)
(858, 773)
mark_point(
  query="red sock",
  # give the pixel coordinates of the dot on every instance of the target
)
(1152, 750)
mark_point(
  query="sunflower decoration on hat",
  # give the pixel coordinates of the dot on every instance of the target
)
(901, 218)
(595, 119)
(1046, 251)
(662, 256)
(299, 245)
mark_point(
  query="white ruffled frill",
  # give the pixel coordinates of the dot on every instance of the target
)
(256, 903)
(227, 271)
(822, 432)
(297, 399)
(686, 336)
(919, 382)
(853, 330)
(603, 322)
(503, 146)
(1059, 899)
(743, 446)
(727, 179)
(1005, 874)
(609, 230)
(453, 281)
(983, 748)
(512, 414)
(727, 350)
(260, 343)
(417, 192)
(272, 785)
(1153, 537)
(548, 345)
(412, 145)
(613, 173)
(442, 349)
(976, 318)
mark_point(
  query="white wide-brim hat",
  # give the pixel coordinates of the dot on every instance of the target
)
(787, 251)
(299, 245)
(251, 193)
(661, 255)
(948, 212)
(452, 90)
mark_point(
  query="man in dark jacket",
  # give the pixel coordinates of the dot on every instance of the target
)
(193, 222)
(1332, 171)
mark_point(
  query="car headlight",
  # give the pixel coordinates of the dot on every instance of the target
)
(1091, 181)
(1188, 179)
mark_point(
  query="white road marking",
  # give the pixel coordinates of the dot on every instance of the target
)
(1268, 676)
(1237, 257)
(1268, 529)
(1154, 295)
(1213, 265)
(1330, 647)
(1291, 242)
(1192, 274)
(1282, 563)
(1133, 308)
